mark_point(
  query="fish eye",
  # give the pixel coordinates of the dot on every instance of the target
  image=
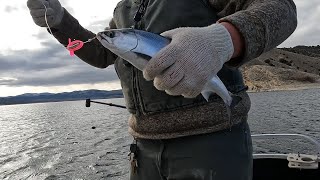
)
(110, 34)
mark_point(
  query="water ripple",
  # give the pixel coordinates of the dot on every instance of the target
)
(56, 141)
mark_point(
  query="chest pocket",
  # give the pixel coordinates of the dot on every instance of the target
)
(160, 15)
(124, 12)
(163, 15)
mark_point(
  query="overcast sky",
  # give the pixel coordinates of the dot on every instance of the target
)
(32, 61)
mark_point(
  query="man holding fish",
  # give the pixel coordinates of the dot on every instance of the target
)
(180, 134)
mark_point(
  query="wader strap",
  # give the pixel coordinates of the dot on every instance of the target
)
(133, 157)
(140, 13)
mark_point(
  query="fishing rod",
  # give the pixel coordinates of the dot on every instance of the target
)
(89, 101)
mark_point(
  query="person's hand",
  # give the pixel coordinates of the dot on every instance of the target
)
(54, 12)
(193, 57)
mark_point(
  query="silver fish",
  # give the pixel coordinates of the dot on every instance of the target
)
(137, 47)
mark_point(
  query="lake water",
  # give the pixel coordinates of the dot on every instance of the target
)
(66, 140)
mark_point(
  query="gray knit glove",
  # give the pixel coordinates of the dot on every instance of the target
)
(194, 56)
(54, 12)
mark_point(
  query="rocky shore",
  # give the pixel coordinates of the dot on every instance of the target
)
(284, 69)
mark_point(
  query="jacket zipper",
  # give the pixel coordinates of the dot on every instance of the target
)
(135, 91)
(138, 25)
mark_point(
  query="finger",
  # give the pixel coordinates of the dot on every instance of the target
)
(178, 89)
(169, 78)
(162, 60)
(41, 12)
(193, 89)
(37, 4)
(41, 21)
(185, 88)
(170, 33)
(191, 94)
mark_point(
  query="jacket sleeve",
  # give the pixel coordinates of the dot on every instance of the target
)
(93, 52)
(264, 24)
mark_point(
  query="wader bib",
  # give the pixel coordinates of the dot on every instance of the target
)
(159, 16)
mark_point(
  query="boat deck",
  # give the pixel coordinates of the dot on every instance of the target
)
(274, 169)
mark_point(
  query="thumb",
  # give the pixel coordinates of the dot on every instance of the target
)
(171, 33)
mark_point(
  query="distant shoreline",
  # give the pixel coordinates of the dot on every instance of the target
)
(288, 88)
(275, 89)
(31, 98)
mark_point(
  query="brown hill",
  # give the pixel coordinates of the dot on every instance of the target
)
(312, 51)
(280, 69)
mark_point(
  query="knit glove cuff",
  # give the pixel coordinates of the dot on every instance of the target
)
(194, 56)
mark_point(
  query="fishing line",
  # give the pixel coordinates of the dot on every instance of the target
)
(45, 16)
(73, 45)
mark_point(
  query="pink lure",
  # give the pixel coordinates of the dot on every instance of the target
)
(74, 46)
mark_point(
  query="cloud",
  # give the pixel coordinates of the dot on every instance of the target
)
(43, 35)
(308, 29)
(100, 25)
(26, 60)
(5, 80)
(9, 9)
(60, 77)
(31, 57)
(50, 66)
